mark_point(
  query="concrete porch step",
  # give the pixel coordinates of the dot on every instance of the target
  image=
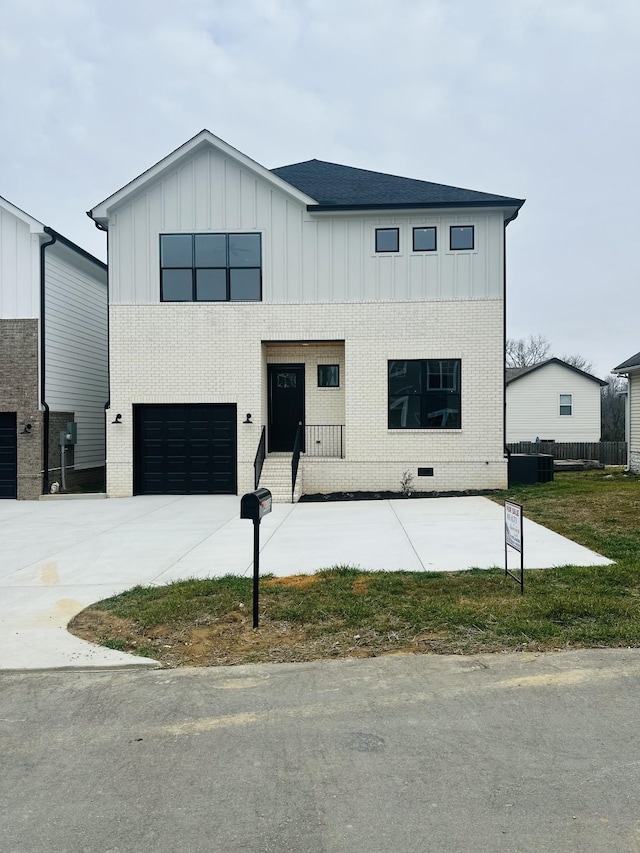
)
(276, 476)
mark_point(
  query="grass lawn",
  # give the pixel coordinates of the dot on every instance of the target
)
(344, 612)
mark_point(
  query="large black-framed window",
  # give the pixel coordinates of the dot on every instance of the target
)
(210, 267)
(425, 394)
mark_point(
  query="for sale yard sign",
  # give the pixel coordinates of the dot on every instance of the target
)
(513, 538)
(513, 525)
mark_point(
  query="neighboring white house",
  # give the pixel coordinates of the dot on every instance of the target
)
(552, 401)
(631, 369)
(366, 307)
(53, 356)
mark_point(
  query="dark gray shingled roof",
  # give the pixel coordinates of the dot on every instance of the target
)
(634, 361)
(343, 187)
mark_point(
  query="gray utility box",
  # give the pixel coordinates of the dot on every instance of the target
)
(254, 505)
(525, 469)
(70, 434)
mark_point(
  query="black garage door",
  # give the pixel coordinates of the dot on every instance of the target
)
(185, 450)
(8, 456)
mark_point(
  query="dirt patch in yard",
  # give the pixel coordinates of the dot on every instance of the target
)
(230, 640)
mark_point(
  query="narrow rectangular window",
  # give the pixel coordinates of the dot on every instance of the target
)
(387, 239)
(461, 237)
(566, 404)
(328, 376)
(425, 394)
(424, 240)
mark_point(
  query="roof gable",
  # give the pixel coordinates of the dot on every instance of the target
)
(35, 226)
(347, 188)
(190, 148)
(514, 373)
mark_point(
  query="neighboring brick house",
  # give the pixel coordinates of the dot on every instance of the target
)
(553, 401)
(631, 369)
(369, 308)
(53, 356)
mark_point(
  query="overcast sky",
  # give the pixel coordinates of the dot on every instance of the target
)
(537, 99)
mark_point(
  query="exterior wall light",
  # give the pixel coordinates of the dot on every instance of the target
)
(26, 430)
(117, 420)
(247, 420)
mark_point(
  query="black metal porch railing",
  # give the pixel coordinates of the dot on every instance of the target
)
(259, 460)
(324, 440)
(295, 459)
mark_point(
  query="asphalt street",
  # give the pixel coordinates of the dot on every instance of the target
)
(510, 752)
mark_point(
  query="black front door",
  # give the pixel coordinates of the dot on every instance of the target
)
(286, 405)
(8, 455)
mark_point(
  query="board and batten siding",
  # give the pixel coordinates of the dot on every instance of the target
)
(76, 347)
(306, 257)
(533, 406)
(19, 269)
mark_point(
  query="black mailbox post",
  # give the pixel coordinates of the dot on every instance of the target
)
(255, 505)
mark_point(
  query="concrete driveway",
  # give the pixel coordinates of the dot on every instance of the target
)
(57, 557)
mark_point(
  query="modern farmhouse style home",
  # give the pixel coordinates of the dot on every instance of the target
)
(354, 316)
(53, 359)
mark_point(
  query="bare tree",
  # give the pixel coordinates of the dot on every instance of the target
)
(579, 361)
(613, 408)
(524, 352)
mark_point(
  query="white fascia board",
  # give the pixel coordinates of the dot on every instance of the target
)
(35, 227)
(101, 211)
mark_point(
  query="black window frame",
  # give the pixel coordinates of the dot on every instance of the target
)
(426, 228)
(470, 248)
(336, 367)
(427, 394)
(387, 251)
(228, 268)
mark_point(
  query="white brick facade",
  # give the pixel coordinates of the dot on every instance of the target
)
(218, 353)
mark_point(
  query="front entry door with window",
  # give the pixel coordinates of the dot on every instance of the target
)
(286, 405)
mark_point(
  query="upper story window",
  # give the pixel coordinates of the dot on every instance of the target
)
(210, 267)
(424, 394)
(424, 240)
(461, 237)
(387, 239)
(566, 404)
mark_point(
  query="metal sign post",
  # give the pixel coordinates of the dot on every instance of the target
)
(255, 505)
(513, 539)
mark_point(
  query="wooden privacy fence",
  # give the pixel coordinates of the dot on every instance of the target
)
(607, 452)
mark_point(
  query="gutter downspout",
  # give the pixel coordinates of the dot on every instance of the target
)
(107, 405)
(43, 402)
(504, 340)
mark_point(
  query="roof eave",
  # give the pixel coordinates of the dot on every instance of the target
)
(60, 238)
(512, 205)
(622, 371)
